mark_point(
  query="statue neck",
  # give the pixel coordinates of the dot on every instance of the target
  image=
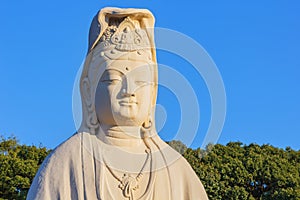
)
(122, 136)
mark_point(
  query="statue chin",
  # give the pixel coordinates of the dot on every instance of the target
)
(127, 115)
(124, 117)
(126, 121)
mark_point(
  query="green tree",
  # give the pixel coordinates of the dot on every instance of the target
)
(178, 146)
(18, 166)
(235, 171)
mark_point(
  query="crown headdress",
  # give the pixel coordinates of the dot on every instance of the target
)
(126, 36)
(119, 33)
(124, 39)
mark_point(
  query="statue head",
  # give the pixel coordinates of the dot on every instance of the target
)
(123, 93)
(119, 80)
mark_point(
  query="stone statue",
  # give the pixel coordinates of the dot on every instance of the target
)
(117, 153)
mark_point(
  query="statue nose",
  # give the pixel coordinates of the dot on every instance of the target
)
(127, 93)
(129, 89)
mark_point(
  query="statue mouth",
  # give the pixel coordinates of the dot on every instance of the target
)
(127, 103)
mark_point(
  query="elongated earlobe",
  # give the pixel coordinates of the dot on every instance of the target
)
(146, 128)
(147, 124)
(87, 92)
(91, 120)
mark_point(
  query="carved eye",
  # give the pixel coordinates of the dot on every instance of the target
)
(111, 79)
(141, 82)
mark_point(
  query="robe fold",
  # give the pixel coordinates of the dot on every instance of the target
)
(75, 170)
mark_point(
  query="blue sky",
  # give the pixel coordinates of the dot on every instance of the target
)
(254, 44)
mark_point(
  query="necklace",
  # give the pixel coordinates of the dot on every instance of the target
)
(128, 183)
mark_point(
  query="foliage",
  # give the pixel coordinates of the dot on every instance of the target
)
(249, 172)
(178, 146)
(18, 166)
(234, 171)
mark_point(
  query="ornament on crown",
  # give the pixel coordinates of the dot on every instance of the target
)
(126, 36)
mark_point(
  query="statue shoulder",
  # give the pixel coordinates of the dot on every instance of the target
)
(68, 146)
(59, 172)
(68, 152)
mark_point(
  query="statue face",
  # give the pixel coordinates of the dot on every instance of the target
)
(124, 93)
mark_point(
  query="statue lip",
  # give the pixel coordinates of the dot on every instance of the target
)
(127, 103)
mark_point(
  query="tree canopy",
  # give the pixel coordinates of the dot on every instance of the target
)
(18, 166)
(232, 171)
(238, 171)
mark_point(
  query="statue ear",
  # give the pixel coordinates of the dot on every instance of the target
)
(87, 92)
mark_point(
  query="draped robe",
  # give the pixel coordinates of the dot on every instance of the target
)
(75, 170)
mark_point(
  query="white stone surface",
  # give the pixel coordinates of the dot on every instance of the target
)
(117, 153)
